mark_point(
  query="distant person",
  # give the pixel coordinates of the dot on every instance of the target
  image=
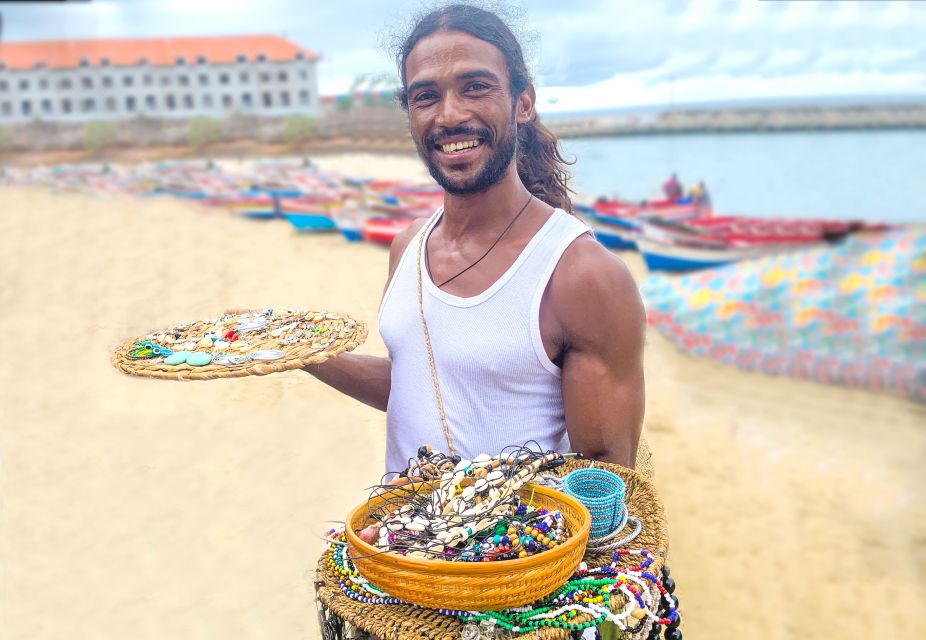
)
(698, 194)
(673, 189)
(704, 198)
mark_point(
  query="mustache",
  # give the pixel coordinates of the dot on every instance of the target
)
(439, 137)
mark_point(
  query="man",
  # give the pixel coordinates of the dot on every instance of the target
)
(673, 189)
(527, 328)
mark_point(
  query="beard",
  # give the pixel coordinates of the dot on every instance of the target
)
(502, 151)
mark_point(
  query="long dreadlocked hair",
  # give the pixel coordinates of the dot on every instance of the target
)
(541, 165)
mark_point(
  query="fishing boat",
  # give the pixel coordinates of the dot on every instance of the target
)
(616, 222)
(384, 230)
(670, 245)
(307, 214)
(613, 232)
(675, 209)
(256, 205)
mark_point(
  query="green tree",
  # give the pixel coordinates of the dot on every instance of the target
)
(204, 131)
(299, 129)
(98, 135)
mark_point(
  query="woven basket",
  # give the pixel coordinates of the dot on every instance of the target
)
(475, 586)
(343, 333)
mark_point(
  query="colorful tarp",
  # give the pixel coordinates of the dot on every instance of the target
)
(851, 314)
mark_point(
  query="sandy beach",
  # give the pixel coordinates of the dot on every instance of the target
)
(143, 509)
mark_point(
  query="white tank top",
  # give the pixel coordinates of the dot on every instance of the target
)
(498, 385)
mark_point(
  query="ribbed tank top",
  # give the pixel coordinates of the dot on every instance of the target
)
(498, 385)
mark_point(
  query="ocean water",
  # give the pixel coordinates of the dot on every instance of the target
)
(869, 175)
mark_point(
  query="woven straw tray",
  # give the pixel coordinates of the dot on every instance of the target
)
(410, 622)
(304, 337)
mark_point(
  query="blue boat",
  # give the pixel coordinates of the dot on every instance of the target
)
(351, 235)
(310, 222)
(305, 216)
(613, 232)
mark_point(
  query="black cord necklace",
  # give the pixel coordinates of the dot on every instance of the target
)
(427, 262)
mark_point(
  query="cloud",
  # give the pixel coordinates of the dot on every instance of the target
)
(618, 50)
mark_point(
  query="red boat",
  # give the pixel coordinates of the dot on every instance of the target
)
(662, 208)
(384, 230)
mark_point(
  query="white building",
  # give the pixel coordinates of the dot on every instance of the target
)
(83, 80)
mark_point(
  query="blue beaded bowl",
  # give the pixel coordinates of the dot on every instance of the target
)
(602, 492)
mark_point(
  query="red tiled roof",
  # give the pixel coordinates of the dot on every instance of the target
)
(60, 54)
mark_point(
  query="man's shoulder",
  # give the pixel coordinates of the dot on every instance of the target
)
(586, 264)
(591, 284)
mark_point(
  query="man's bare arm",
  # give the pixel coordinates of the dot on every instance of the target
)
(603, 332)
(366, 378)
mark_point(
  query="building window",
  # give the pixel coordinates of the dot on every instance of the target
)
(244, 76)
(142, 61)
(26, 107)
(303, 74)
(223, 78)
(203, 79)
(84, 62)
(128, 81)
(183, 81)
(23, 85)
(170, 102)
(282, 76)
(151, 102)
(267, 99)
(303, 97)
(181, 61)
(227, 101)
(7, 109)
(65, 106)
(246, 100)
(207, 102)
(200, 59)
(86, 83)
(107, 82)
(130, 103)
(87, 105)
(43, 84)
(300, 55)
(241, 57)
(64, 83)
(4, 86)
(46, 106)
(146, 80)
(187, 101)
(284, 98)
(104, 62)
(262, 57)
(110, 104)
(265, 77)
(165, 81)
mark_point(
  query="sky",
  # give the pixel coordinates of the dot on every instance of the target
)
(585, 54)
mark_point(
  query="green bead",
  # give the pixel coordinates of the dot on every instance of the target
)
(177, 358)
(199, 359)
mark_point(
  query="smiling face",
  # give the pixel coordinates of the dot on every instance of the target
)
(461, 113)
